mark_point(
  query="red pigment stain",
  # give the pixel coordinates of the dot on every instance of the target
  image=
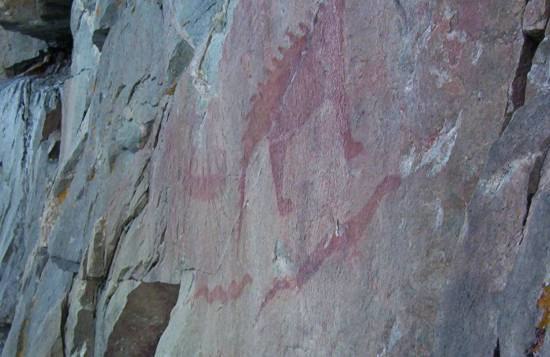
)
(450, 49)
(267, 111)
(218, 293)
(353, 231)
(472, 17)
(373, 75)
(203, 164)
(205, 178)
(309, 72)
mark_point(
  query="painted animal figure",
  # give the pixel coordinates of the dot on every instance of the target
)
(310, 73)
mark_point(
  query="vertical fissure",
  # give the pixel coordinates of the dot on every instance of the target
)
(532, 37)
(516, 98)
(533, 185)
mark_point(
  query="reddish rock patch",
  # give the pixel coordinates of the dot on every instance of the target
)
(205, 175)
(200, 164)
(309, 73)
(353, 231)
(233, 291)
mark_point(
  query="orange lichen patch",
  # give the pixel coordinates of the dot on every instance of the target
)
(91, 174)
(51, 212)
(22, 340)
(171, 90)
(62, 196)
(543, 303)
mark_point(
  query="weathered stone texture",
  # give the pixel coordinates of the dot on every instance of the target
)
(266, 178)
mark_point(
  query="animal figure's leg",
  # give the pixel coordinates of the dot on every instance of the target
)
(277, 153)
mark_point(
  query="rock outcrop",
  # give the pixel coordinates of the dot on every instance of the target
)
(19, 53)
(266, 178)
(43, 19)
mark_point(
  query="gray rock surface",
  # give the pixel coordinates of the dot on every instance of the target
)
(276, 178)
(18, 52)
(29, 165)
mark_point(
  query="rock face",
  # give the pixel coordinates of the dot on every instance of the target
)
(266, 178)
(19, 52)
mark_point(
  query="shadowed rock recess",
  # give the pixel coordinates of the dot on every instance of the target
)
(44, 19)
(274, 178)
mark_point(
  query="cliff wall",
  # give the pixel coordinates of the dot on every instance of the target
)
(275, 178)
